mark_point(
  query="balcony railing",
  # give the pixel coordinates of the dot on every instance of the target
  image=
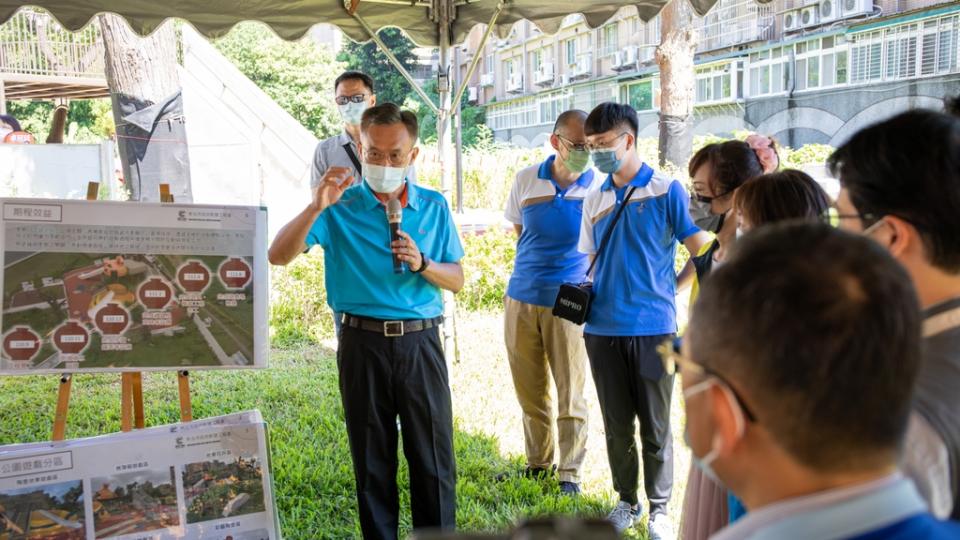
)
(32, 43)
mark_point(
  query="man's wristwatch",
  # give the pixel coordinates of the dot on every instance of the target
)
(424, 263)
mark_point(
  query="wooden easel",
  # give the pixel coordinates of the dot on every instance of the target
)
(131, 383)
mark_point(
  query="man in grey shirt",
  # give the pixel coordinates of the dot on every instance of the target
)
(354, 93)
(900, 183)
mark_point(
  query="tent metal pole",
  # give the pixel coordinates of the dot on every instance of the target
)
(444, 12)
(476, 57)
(396, 63)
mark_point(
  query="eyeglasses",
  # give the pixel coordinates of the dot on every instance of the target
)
(833, 217)
(580, 147)
(707, 200)
(395, 159)
(359, 98)
(609, 144)
(672, 359)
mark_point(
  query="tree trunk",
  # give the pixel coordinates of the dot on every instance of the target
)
(142, 72)
(675, 58)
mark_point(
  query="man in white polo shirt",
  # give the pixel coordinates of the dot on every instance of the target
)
(545, 207)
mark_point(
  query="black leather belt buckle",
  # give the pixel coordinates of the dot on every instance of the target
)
(393, 328)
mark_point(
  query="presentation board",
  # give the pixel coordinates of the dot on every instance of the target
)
(92, 286)
(209, 480)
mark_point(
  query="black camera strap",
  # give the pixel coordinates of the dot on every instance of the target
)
(606, 235)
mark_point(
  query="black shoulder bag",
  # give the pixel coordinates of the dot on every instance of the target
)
(573, 300)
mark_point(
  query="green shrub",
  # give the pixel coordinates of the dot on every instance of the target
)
(298, 302)
(487, 266)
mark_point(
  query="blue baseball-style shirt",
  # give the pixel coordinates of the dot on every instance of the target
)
(355, 237)
(634, 280)
(547, 254)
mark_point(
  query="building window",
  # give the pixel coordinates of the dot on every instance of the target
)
(716, 84)
(769, 71)
(488, 63)
(536, 59)
(641, 95)
(866, 56)
(571, 50)
(610, 40)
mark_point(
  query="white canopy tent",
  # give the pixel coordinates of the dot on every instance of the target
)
(438, 23)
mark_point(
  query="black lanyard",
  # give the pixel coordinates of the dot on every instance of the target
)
(353, 157)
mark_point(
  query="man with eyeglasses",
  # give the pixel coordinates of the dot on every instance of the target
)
(801, 404)
(900, 186)
(390, 359)
(633, 310)
(545, 207)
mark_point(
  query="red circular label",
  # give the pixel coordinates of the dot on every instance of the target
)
(21, 344)
(112, 319)
(235, 273)
(155, 293)
(71, 338)
(194, 277)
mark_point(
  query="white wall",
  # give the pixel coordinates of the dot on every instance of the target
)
(54, 170)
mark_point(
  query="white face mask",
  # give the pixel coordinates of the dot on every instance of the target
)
(384, 179)
(352, 113)
(705, 463)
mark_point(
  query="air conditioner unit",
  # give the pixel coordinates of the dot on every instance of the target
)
(584, 67)
(791, 20)
(616, 60)
(629, 56)
(853, 8)
(565, 79)
(829, 10)
(486, 79)
(809, 16)
(544, 75)
(473, 94)
(515, 83)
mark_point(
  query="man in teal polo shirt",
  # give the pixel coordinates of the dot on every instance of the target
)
(633, 310)
(390, 356)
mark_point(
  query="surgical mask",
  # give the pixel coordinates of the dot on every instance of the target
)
(706, 462)
(704, 218)
(352, 112)
(577, 161)
(606, 159)
(384, 179)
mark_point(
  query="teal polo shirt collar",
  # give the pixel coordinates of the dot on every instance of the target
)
(370, 200)
(546, 173)
(640, 180)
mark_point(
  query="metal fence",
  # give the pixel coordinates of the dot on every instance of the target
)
(33, 43)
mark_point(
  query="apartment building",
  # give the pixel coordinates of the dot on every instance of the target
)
(804, 71)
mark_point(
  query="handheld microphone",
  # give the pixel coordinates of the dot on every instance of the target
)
(394, 217)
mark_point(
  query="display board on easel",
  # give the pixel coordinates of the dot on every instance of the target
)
(110, 286)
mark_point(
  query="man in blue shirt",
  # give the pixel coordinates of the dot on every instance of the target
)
(390, 357)
(800, 404)
(633, 309)
(545, 207)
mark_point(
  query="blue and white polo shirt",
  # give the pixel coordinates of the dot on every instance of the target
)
(634, 280)
(547, 254)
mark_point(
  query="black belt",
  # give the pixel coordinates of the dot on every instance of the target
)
(390, 328)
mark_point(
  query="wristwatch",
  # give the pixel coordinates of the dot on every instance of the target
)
(423, 265)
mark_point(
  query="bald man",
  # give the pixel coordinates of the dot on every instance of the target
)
(545, 207)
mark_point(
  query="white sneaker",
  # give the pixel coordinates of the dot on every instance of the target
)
(624, 516)
(660, 528)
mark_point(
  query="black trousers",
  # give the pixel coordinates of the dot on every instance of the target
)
(382, 378)
(632, 384)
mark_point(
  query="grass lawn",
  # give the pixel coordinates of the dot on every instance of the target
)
(299, 398)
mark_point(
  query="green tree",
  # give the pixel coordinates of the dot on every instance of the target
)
(475, 131)
(297, 75)
(367, 57)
